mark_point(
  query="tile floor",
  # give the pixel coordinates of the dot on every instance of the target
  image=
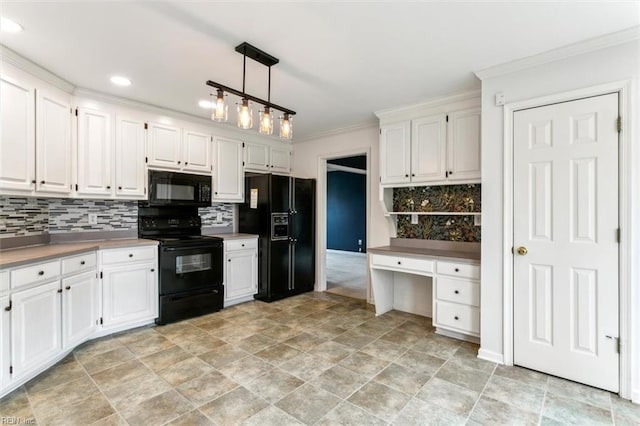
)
(347, 273)
(316, 359)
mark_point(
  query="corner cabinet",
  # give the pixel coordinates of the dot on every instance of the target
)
(129, 286)
(437, 149)
(228, 177)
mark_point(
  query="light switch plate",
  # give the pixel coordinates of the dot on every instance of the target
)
(414, 219)
(92, 218)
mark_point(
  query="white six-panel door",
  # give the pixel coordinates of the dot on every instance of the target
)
(565, 237)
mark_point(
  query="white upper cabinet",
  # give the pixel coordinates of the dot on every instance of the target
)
(256, 157)
(280, 160)
(53, 142)
(228, 177)
(196, 153)
(464, 145)
(131, 173)
(428, 148)
(94, 152)
(395, 153)
(17, 136)
(165, 146)
(441, 148)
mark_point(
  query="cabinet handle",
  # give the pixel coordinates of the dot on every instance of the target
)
(82, 262)
(130, 254)
(456, 292)
(457, 269)
(59, 290)
(33, 181)
(40, 272)
(8, 308)
(68, 287)
(215, 291)
(446, 174)
(455, 318)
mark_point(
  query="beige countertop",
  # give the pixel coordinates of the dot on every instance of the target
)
(20, 256)
(456, 255)
(236, 236)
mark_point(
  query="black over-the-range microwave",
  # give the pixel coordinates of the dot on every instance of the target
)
(179, 189)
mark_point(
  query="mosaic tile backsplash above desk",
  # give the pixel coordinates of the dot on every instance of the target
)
(445, 198)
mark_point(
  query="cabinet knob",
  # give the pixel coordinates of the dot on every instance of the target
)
(271, 166)
(153, 270)
(406, 175)
(119, 188)
(40, 272)
(33, 181)
(185, 163)
(59, 290)
(242, 245)
(41, 182)
(228, 260)
(456, 318)
(399, 263)
(456, 292)
(178, 162)
(450, 172)
(108, 186)
(130, 254)
(216, 193)
(68, 287)
(82, 262)
(457, 269)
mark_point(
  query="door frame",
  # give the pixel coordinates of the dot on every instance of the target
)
(628, 272)
(321, 226)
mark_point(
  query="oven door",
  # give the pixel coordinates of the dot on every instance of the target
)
(179, 189)
(185, 269)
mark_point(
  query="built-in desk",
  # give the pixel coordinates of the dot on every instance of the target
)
(437, 279)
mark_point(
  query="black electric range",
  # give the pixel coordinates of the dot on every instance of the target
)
(190, 278)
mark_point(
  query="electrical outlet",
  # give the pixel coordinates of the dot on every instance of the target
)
(359, 242)
(477, 221)
(218, 217)
(414, 219)
(92, 218)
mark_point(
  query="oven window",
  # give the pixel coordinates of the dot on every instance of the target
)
(166, 191)
(193, 263)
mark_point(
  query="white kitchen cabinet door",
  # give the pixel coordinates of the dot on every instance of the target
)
(80, 316)
(197, 152)
(17, 136)
(165, 146)
(228, 180)
(131, 173)
(256, 157)
(464, 145)
(428, 148)
(95, 152)
(280, 160)
(241, 279)
(35, 328)
(53, 142)
(395, 153)
(5, 348)
(129, 294)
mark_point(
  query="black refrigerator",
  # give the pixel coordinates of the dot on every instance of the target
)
(281, 211)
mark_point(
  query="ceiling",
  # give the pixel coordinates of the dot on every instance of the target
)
(339, 61)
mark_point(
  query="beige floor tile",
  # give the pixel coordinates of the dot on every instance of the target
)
(516, 393)
(463, 376)
(83, 412)
(490, 411)
(332, 351)
(234, 407)
(308, 403)
(347, 414)
(185, 370)
(306, 366)
(246, 369)
(255, 343)
(107, 360)
(165, 358)
(278, 354)
(364, 364)
(384, 350)
(158, 410)
(57, 397)
(192, 418)
(304, 341)
(149, 345)
(571, 411)
(130, 393)
(16, 405)
(419, 413)
(223, 355)
(113, 376)
(206, 388)
(402, 379)
(354, 339)
(274, 385)
(454, 398)
(63, 372)
(272, 415)
(380, 400)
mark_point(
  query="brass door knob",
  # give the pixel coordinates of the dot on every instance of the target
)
(522, 251)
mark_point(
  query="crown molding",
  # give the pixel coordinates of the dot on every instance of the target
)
(338, 131)
(579, 48)
(10, 57)
(420, 108)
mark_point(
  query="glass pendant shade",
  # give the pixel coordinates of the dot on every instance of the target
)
(245, 115)
(220, 109)
(286, 127)
(266, 121)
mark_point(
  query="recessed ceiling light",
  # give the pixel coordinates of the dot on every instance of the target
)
(206, 104)
(9, 26)
(118, 80)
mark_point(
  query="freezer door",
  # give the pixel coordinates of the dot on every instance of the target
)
(302, 228)
(279, 269)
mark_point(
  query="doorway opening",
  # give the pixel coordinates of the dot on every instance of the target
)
(346, 225)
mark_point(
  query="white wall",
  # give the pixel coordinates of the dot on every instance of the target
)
(307, 154)
(598, 67)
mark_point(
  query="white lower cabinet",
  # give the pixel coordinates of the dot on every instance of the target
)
(80, 317)
(35, 327)
(129, 288)
(5, 347)
(241, 270)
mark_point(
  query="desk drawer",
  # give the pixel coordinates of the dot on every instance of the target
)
(409, 264)
(459, 291)
(31, 274)
(464, 270)
(134, 254)
(244, 244)
(82, 262)
(462, 318)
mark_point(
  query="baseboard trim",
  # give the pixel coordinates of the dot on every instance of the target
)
(345, 252)
(491, 356)
(456, 335)
(635, 396)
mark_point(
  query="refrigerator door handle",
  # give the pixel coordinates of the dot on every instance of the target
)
(292, 259)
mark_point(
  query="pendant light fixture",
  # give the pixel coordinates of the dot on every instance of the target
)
(245, 109)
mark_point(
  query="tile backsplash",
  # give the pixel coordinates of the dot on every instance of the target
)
(445, 198)
(35, 216)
